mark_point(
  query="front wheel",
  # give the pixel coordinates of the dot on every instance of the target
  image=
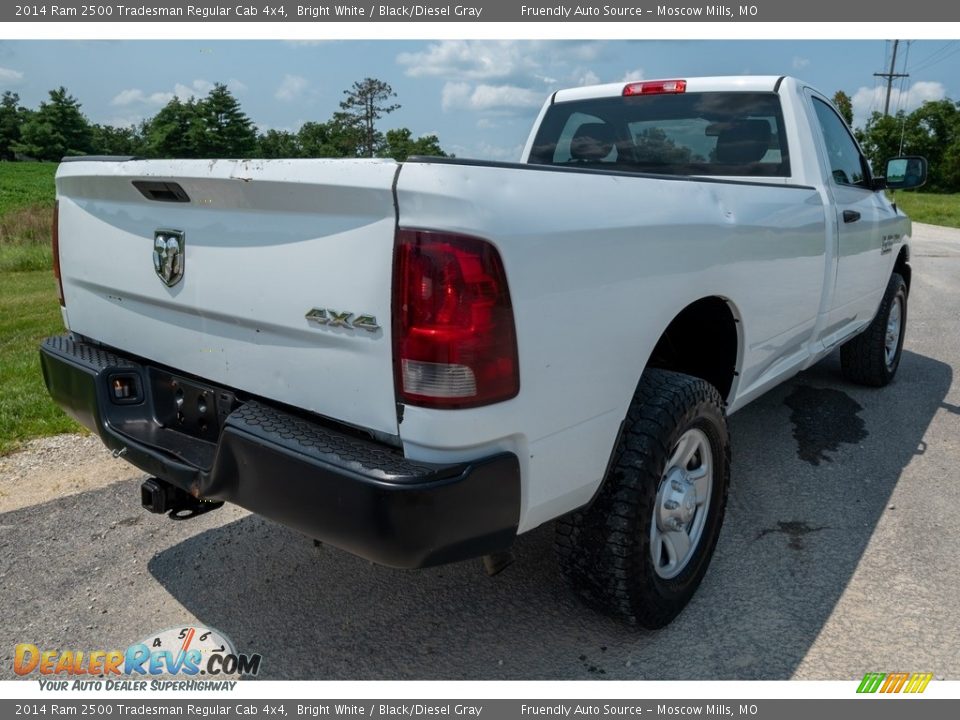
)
(873, 356)
(642, 548)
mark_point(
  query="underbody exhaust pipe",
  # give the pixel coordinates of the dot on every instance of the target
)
(159, 496)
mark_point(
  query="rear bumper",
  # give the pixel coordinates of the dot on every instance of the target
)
(349, 491)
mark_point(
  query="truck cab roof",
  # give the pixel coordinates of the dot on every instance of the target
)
(746, 83)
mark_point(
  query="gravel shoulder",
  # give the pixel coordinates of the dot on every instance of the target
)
(58, 466)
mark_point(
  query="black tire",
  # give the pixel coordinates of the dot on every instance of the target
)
(604, 549)
(864, 359)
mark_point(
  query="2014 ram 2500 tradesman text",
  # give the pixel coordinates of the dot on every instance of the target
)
(416, 362)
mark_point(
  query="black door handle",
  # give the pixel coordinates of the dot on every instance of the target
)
(850, 216)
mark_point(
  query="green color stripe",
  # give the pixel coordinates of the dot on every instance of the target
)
(871, 682)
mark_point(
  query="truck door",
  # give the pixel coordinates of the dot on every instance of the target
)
(862, 217)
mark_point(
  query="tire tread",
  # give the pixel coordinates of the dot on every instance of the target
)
(862, 358)
(598, 547)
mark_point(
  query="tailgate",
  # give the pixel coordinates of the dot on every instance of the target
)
(264, 244)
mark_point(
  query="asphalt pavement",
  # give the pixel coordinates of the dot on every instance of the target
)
(839, 556)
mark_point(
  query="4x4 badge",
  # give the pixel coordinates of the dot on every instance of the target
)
(168, 256)
(336, 318)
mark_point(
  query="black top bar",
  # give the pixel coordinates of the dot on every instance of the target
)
(637, 12)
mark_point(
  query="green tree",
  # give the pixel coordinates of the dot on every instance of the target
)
(843, 103)
(278, 144)
(109, 140)
(399, 145)
(654, 146)
(55, 130)
(950, 167)
(168, 133)
(12, 118)
(880, 138)
(366, 102)
(220, 128)
(932, 130)
(332, 139)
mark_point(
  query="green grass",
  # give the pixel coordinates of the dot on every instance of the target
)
(24, 184)
(929, 208)
(28, 303)
(28, 312)
(26, 203)
(25, 239)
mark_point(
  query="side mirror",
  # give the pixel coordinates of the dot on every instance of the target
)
(906, 172)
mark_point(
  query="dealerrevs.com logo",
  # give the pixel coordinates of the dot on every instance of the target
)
(185, 652)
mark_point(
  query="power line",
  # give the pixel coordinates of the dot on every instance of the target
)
(937, 56)
(900, 101)
(941, 59)
(890, 77)
(903, 78)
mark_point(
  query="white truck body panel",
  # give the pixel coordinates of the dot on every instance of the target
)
(593, 292)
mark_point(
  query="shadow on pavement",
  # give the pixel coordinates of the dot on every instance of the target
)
(799, 520)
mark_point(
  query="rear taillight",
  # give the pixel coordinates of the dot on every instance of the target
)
(656, 87)
(55, 248)
(454, 342)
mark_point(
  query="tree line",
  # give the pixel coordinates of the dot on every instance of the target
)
(214, 126)
(932, 130)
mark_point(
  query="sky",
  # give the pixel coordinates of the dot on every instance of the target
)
(480, 97)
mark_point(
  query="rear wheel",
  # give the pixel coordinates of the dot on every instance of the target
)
(641, 549)
(873, 356)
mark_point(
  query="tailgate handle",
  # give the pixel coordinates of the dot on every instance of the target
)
(850, 216)
(161, 191)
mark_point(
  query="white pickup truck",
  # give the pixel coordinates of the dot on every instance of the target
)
(416, 362)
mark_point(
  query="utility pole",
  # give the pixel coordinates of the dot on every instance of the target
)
(890, 77)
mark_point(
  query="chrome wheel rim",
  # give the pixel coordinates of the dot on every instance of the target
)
(892, 340)
(682, 505)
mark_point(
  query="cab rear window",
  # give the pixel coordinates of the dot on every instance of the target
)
(715, 133)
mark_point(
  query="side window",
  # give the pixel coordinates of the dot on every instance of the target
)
(847, 165)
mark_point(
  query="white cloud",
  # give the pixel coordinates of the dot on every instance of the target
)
(516, 62)
(470, 60)
(122, 121)
(126, 97)
(487, 97)
(10, 77)
(455, 95)
(136, 96)
(633, 75)
(865, 100)
(503, 77)
(585, 77)
(461, 95)
(143, 101)
(583, 51)
(799, 63)
(197, 88)
(291, 88)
